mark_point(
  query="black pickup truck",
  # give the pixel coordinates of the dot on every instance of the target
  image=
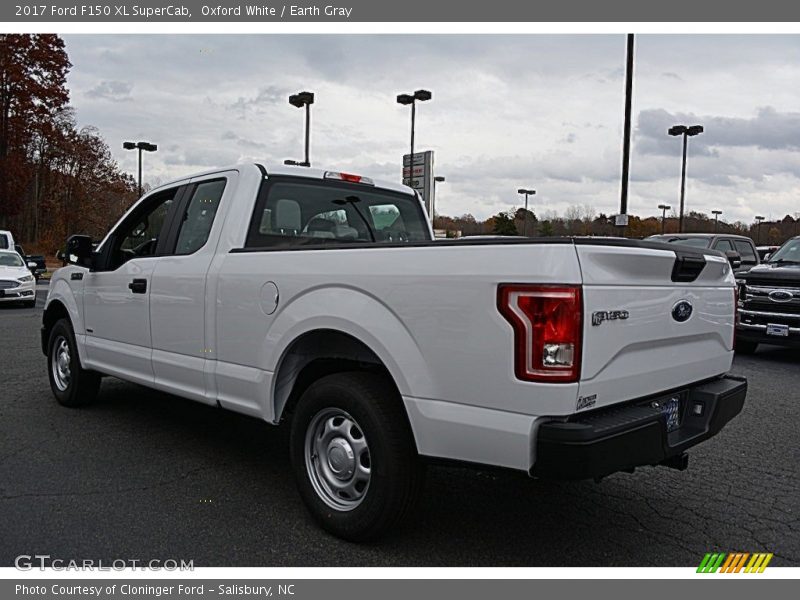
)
(29, 259)
(769, 301)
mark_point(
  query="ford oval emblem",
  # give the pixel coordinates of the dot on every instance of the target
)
(781, 296)
(682, 311)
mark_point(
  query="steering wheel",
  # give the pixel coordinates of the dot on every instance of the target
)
(146, 248)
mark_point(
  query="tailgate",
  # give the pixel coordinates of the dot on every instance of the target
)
(654, 320)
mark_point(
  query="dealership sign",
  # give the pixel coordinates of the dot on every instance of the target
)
(419, 176)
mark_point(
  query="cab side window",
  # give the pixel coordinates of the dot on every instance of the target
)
(138, 236)
(723, 246)
(199, 216)
(746, 251)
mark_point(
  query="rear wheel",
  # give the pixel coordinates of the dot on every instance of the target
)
(746, 347)
(71, 384)
(353, 455)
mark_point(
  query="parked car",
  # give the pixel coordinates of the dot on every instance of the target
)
(728, 244)
(769, 301)
(16, 281)
(319, 299)
(35, 262)
(765, 251)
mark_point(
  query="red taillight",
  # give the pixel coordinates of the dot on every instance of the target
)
(547, 322)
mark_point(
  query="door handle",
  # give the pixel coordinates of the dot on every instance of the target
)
(138, 286)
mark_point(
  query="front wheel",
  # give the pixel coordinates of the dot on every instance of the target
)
(71, 385)
(353, 455)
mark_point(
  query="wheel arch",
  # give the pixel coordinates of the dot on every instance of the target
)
(355, 329)
(61, 303)
(55, 311)
(315, 354)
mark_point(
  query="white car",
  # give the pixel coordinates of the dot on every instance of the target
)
(17, 283)
(319, 299)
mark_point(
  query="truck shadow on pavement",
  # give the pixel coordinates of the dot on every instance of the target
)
(216, 487)
(774, 354)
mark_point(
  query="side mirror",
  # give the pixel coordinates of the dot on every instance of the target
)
(79, 251)
(734, 258)
(766, 257)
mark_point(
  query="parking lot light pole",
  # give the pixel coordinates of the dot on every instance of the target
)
(686, 132)
(759, 218)
(141, 147)
(664, 208)
(525, 216)
(716, 214)
(300, 100)
(626, 133)
(405, 100)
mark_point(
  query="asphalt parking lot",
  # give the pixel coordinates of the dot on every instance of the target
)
(144, 475)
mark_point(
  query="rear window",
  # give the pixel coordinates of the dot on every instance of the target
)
(302, 212)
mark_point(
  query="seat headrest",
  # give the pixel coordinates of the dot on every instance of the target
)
(287, 214)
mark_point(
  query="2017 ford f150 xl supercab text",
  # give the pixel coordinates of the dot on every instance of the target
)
(320, 299)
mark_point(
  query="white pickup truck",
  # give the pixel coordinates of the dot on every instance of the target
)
(320, 299)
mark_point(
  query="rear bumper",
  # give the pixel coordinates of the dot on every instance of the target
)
(621, 438)
(754, 332)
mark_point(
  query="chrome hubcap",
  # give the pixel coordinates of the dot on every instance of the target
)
(337, 459)
(61, 364)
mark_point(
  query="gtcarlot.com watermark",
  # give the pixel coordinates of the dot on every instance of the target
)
(30, 562)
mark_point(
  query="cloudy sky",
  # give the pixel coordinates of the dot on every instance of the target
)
(507, 111)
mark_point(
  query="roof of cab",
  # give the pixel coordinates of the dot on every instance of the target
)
(287, 170)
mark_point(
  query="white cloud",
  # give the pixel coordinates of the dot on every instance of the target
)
(508, 111)
(112, 90)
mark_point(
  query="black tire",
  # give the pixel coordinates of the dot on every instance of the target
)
(80, 387)
(745, 347)
(396, 472)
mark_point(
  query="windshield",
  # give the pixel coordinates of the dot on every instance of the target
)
(789, 252)
(10, 259)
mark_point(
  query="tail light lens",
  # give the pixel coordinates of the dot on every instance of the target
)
(547, 322)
